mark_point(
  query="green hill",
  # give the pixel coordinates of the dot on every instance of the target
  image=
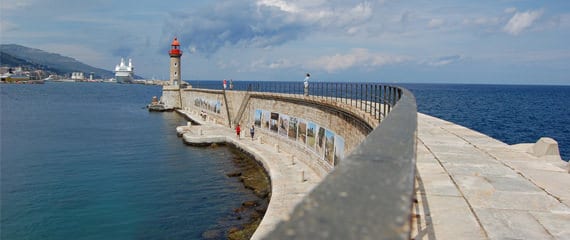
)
(13, 55)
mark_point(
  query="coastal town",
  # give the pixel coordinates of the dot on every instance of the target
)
(27, 74)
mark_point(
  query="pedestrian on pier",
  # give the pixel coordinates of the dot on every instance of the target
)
(306, 84)
(231, 84)
(238, 130)
(225, 83)
(252, 131)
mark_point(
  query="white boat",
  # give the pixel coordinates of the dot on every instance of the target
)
(124, 73)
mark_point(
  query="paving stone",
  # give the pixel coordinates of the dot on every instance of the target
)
(514, 194)
(504, 224)
(557, 224)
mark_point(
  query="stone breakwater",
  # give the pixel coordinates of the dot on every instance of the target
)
(290, 180)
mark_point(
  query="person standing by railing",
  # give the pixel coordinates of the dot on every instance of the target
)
(225, 83)
(306, 84)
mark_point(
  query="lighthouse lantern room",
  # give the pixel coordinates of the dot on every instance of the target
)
(175, 54)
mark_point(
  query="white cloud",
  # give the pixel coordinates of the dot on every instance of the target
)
(281, 5)
(446, 60)
(6, 26)
(435, 23)
(510, 10)
(266, 23)
(14, 4)
(357, 57)
(521, 21)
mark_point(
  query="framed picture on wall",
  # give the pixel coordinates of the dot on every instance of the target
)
(302, 130)
(338, 149)
(283, 124)
(273, 122)
(312, 129)
(293, 123)
(329, 147)
(257, 117)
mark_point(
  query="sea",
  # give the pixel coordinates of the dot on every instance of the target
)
(510, 113)
(88, 161)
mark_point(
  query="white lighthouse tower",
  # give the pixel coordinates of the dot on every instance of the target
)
(175, 54)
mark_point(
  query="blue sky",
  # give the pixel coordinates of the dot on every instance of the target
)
(442, 41)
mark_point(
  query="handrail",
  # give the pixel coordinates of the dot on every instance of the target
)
(369, 194)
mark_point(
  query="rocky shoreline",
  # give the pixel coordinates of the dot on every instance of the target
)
(254, 178)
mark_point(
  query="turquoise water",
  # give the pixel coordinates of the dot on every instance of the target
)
(87, 161)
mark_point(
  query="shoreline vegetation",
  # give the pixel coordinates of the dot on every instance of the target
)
(254, 178)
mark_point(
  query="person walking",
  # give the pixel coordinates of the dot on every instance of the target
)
(252, 131)
(238, 130)
(231, 84)
(225, 83)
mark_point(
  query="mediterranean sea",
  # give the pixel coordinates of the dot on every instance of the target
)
(510, 113)
(88, 161)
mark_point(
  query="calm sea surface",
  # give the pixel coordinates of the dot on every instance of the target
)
(510, 113)
(87, 161)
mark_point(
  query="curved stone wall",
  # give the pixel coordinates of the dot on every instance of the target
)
(336, 130)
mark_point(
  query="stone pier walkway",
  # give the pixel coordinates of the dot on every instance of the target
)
(289, 182)
(471, 186)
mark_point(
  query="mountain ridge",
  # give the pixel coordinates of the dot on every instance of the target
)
(13, 55)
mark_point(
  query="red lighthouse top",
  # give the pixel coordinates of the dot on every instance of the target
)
(175, 48)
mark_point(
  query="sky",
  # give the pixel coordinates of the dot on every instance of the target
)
(388, 41)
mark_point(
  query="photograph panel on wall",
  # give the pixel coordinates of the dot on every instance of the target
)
(265, 119)
(257, 117)
(273, 122)
(302, 130)
(283, 124)
(293, 123)
(329, 147)
(312, 129)
(321, 141)
(218, 107)
(338, 149)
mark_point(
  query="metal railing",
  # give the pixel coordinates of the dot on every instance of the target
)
(373, 98)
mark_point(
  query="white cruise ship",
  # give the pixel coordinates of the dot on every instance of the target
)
(124, 73)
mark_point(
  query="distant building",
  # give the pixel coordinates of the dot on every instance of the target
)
(77, 76)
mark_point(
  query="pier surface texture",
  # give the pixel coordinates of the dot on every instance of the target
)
(471, 186)
(467, 185)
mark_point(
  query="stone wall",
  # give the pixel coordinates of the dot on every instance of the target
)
(323, 117)
(209, 103)
(171, 96)
(339, 122)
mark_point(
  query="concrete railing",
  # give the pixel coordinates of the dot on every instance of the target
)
(370, 194)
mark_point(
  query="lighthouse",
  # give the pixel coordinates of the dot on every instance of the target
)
(175, 54)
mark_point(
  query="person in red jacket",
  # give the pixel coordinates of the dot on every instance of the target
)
(238, 130)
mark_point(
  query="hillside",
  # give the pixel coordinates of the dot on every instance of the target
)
(13, 55)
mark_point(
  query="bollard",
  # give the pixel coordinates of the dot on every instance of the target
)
(292, 160)
(302, 175)
(277, 147)
(189, 124)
